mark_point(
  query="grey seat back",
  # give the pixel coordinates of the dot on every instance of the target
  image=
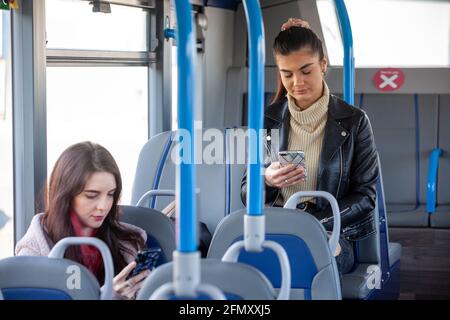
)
(218, 183)
(441, 218)
(159, 228)
(237, 281)
(314, 271)
(155, 170)
(235, 153)
(43, 278)
(403, 120)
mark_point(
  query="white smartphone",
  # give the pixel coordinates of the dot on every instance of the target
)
(295, 157)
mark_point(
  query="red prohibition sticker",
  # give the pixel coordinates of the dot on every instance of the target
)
(389, 79)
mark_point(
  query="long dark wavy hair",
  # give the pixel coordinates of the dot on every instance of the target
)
(291, 40)
(68, 179)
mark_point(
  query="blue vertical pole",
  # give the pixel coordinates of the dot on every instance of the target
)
(186, 54)
(256, 106)
(349, 60)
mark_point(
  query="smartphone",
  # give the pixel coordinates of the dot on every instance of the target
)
(294, 157)
(145, 260)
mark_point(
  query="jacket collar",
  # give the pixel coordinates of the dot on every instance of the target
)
(278, 111)
(335, 134)
(337, 109)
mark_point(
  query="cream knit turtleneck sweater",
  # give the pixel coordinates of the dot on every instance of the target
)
(306, 133)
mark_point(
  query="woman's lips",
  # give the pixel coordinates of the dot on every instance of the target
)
(300, 92)
(99, 218)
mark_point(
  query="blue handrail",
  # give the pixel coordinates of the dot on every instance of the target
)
(256, 108)
(433, 165)
(186, 200)
(349, 60)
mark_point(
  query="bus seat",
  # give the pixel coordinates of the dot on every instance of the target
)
(407, 121)
(159, 228)
(56, 278)
(375, 251)
(43, 278)
(356, 284)
(235, 166)
(395, 253)
(314, 271)
(236, 280)
(156, 170)
(441, 218)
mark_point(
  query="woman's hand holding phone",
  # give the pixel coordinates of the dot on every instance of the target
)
(128, 289)
(283, 176)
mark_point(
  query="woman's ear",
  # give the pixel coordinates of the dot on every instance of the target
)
(324, 65)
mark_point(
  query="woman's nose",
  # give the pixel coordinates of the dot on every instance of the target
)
(102, 205)
(298, 80)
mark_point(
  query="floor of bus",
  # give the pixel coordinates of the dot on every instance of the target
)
(425, 262)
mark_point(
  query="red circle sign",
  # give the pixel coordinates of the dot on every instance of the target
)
(389, 79)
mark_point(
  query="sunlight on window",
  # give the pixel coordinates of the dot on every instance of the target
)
(331, 32)
(6, 140)
(71, 24)
(106, 105)
(407, 33)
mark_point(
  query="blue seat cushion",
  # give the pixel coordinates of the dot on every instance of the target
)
(303, 267)
(34, 294)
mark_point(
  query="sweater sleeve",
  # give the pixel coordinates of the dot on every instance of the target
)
(28, 246)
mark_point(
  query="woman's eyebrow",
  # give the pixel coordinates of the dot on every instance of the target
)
(92, 191)
(306, 65)
(96, 191)
(301, 68)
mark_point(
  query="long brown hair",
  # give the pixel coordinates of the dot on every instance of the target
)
(290, 40)
(68, 179)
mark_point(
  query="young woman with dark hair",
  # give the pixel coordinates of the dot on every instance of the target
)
(337, 139)
(82, 200)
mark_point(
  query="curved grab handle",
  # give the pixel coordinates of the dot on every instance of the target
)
(60, 247)
(334, 239)
(163, 292)
(153, 193)
(232, 255)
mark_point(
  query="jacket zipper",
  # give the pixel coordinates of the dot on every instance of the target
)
(331, 217)
(340, 173)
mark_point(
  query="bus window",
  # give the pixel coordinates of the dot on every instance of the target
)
(6, 139)
(107, 105)
(97, 81)
(124, 29)
(377, 27)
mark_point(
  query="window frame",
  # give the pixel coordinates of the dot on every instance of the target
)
(30, 60)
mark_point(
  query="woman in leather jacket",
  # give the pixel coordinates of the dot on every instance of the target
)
(340, 153)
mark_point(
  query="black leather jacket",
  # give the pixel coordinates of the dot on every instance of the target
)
(348, 167)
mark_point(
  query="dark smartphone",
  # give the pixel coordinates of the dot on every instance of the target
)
(145, 260)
